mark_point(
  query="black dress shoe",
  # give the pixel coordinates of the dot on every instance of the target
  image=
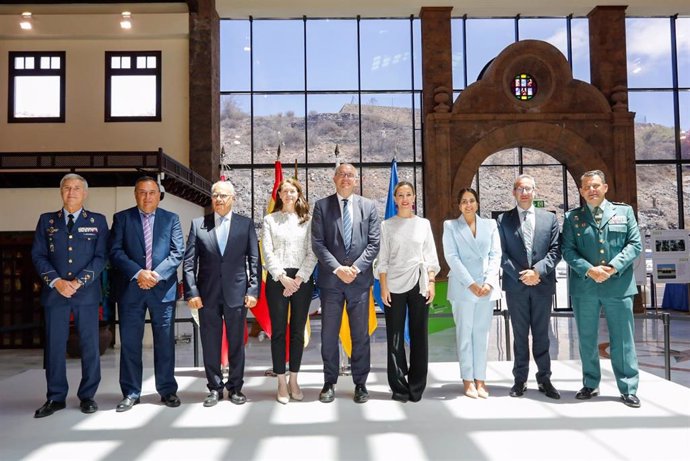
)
(212, 398)
(518, 389)
(547, 388)
(586, 393)
(327, 394)
(237, 397)
(361, 394)
(88, 406)
(126, 404)
(630, 400)
(48, 408)
(400, 397)
(171, 400)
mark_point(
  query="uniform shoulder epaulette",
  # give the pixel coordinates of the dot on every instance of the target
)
(620, 203)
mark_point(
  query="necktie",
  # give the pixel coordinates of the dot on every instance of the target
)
(598, 213)
(222, 234)
(148, 241)
(527, 232)
(70, 223)
(347, 226)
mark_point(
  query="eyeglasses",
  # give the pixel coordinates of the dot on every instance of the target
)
(524, 190)
(221, 196)
(346, 175)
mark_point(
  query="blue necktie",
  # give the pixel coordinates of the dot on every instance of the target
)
(222, 234)
(347, 227)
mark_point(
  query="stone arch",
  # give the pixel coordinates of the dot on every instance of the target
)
(571, 120)
(562, 144)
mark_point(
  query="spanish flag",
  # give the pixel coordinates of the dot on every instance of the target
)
(260, 311)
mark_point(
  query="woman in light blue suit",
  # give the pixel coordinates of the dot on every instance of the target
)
(472, 248)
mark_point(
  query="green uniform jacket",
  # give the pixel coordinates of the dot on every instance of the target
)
(616, 243)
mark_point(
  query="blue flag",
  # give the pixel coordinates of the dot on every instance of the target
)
(391, 210)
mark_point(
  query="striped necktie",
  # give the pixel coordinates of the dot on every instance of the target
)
(347, 226)
(148, 240)
(527, 236)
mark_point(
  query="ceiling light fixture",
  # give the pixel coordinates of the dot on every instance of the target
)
(126, 22)
(26, 22)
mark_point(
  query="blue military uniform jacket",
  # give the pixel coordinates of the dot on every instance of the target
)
(81, 254)
(615, 242)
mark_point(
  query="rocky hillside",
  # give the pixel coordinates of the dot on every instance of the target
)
(388, 133)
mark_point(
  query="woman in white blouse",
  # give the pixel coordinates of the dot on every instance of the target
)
(407, 264)
(290, 261)
(472, 248)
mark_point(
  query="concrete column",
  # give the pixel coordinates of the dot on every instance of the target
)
(437, 91)
(607, 52)
(437, 57)
(204, 89)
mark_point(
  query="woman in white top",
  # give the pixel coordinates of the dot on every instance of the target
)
(472, 247)
(290, 261)
(407, 265)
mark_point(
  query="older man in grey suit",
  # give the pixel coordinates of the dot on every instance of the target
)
(345, 239)
(531, 250)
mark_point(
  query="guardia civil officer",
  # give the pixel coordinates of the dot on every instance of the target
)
(69, 253)
(600, 242)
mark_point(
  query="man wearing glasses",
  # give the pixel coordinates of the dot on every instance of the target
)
(600, 242)
(345, 238)
(221, 279)
(531, 250)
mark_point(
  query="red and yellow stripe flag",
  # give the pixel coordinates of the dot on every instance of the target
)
(260, 311)
(345, 337)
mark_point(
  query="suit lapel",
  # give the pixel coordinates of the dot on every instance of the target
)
(466, 233)
(233, 234)
(138, 226)
(356, 217)
(609, 212)
(210, 225)
(336, 215)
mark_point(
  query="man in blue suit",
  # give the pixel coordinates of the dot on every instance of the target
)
(146, 248)
(221, 278)
(69, 253)
(345, 239)
(531, 250)
(600, 243)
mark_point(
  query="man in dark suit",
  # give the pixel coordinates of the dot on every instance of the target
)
(146, 248)
(221, 279)
(531, 250)
(69, 253)
(345, 239)
(600, 243)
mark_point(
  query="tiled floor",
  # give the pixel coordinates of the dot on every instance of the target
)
(649, 341)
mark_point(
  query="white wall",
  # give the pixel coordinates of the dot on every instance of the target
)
(85, 38)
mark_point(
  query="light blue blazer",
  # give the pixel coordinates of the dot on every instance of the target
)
(471, 259)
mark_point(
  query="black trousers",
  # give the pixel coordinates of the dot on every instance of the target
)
(211, 320)
(530, 311)
(413, 304)
(278, 311)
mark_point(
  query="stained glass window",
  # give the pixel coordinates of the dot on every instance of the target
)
(524, 87)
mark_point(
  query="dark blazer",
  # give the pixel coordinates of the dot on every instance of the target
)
(128, 254)
(328, 244)
(546, 251)
(82, 255)
(222, 279)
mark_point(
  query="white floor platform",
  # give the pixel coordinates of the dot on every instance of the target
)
(443, 426)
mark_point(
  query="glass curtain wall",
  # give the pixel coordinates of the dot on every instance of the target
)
(310, 86)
